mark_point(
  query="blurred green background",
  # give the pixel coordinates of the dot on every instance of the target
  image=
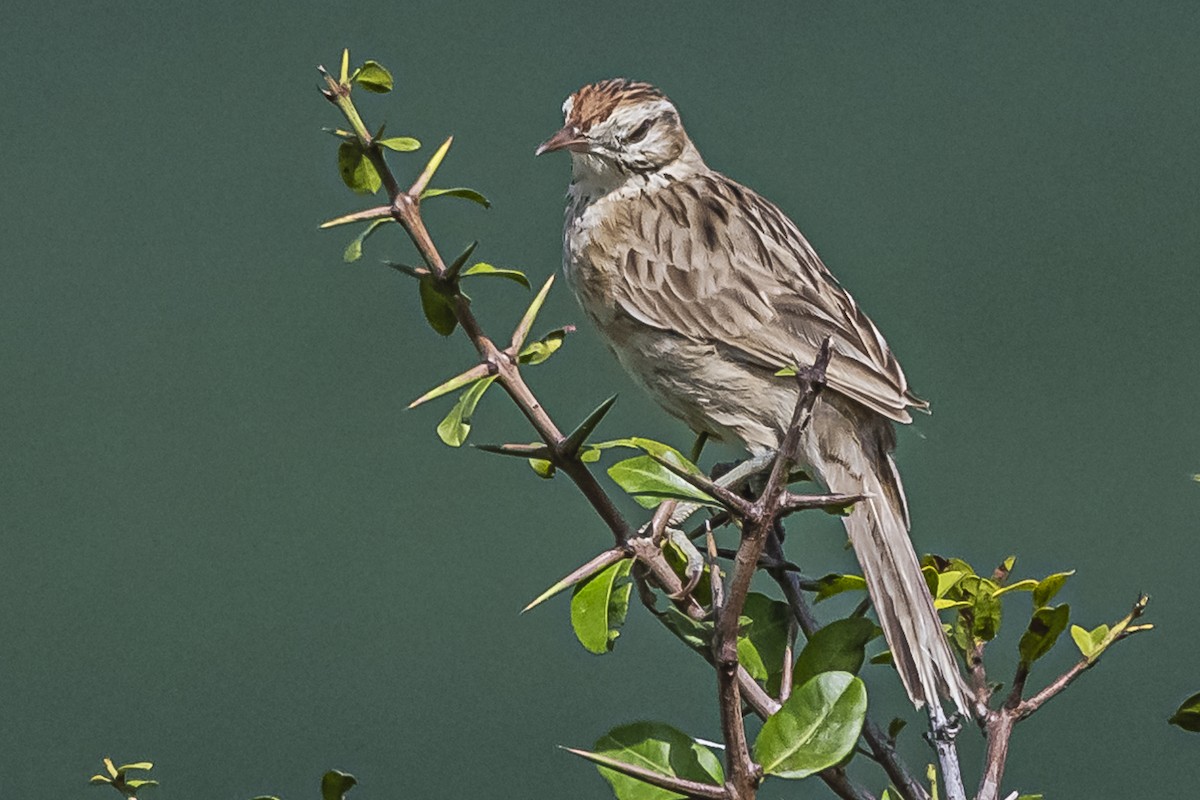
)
(229, 549)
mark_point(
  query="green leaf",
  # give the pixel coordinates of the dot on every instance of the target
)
(143, 765)
(536, 352)
(694, 633)
(649, 483)
(985, 614)
(839, 646)
(439, 310)
(1031, 797)
(99, 779)
(816, 728)
(542, 467)
(401, 144)
(1089, 642)
(335, 784)
(1048, 587)
(763, 639)
(522, 330)
(140, 784)
(833, 584)
(355, 248)
(1044, 629)
(1187, 716)
(374, 77)
(659, 747)
(487, 269)
(356, 169)
(344, 73)
(945, 581)
(599, 605)
(458, 191)
(895, 726)
(457, 382)
(1027, 585)
(453, 430)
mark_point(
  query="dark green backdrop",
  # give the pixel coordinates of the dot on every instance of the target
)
(229, 549)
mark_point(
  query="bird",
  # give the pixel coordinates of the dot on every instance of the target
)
(704, 290)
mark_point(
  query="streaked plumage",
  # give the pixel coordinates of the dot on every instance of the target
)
(704, 290)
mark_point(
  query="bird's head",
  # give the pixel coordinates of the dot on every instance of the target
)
(620, 128)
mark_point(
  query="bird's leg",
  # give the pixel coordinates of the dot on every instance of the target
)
(694, 569)
(670, 514)
(743, 471)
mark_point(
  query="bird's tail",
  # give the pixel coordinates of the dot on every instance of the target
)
(878, 530)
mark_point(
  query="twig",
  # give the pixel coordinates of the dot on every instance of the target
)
(1000, 723)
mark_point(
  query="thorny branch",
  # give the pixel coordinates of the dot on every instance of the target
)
(760, 547)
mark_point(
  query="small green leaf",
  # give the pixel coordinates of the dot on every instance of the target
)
(945, 581)
(649, 482)
(1027, 585)
(140, 784)
(895, 726)
(356, 169)
(487, 269)
(599, 605)
(99, 779)
(694, 633)
(1089, 642)
(458, 191)
(401, 144)
(1031, 797)
(1048, 587)
(1044, 629)
(453, 430)
(438, 308)
(344, 72)
(522, 330)
(374, 77)
(764, 639)
(833, 584)
(659, 747)
(143, 765)
(815, 729)
(457, 382)
(542, 467)
(986, 613)
(355, 248)
(335, 784)
(839, 646)
(1187, 716)
(540, 351)
(786, 372)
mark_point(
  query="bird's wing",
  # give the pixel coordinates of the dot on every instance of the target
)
(711, 260)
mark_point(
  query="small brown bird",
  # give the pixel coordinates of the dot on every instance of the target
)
(704, 290)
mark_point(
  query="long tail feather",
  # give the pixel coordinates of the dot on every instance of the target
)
(860, 462)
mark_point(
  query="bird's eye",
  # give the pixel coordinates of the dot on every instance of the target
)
(639, 133)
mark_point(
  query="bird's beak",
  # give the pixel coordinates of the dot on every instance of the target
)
(569, 138)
